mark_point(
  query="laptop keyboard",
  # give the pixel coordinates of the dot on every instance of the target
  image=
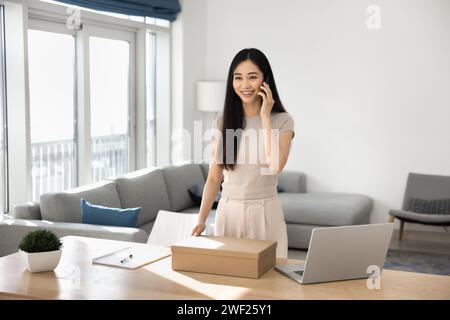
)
(299, 272)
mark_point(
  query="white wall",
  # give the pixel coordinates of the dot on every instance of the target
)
(188, 66)
(369, 105)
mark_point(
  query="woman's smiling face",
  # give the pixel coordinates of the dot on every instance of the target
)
(247, 79)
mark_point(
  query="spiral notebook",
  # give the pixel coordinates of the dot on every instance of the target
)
(133, 257)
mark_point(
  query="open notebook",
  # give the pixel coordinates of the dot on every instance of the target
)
(133, 257)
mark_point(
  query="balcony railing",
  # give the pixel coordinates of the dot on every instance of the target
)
(109, 156)
(54, 162)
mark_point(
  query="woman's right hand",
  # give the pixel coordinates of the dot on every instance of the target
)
(198, 229)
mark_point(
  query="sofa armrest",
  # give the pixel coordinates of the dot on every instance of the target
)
(13, 230)
(30, 210)
(292, 181)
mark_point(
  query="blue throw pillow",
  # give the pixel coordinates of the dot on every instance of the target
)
(93, 214)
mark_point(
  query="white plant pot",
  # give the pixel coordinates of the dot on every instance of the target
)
(42, 261)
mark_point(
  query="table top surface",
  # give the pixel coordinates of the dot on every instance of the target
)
(77, 278)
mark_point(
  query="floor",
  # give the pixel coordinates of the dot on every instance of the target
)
(432, 242)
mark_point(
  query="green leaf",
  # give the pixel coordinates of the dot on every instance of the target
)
(40, 241)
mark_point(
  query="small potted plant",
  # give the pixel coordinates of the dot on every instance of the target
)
(41, 249)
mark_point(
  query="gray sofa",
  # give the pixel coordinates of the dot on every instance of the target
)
(165, 188)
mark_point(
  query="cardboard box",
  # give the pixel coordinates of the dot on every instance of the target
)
(225, 256)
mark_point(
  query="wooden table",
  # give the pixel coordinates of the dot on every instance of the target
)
(77, 278)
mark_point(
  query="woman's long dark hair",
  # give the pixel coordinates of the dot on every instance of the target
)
(233, 111)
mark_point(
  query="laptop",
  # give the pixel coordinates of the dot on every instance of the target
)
(342, 253)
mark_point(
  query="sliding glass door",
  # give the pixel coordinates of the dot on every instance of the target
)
(110, 60)
(51, 65)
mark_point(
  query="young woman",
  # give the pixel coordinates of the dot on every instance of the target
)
(249, 206)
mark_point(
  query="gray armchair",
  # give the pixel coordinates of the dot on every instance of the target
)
(424, 187)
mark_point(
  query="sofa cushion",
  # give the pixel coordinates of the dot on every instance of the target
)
(30, 210)
(146, 189)
(147, 227)
(205, 169)
(192, 210)
(299, 235)
(106, 216)
(13, 230)
(65, 206)
(292, 181)
(178, 179)
(196, 193)
(325, 208)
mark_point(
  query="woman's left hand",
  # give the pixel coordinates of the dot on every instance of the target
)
(268, 101)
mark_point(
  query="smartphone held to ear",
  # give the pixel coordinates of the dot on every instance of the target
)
(266, 81)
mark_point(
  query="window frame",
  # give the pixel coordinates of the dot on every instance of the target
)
(151, 88)
(4, 207)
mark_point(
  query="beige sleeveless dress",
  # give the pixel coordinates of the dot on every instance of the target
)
(249, 206)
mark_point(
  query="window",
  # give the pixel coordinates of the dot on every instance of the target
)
(109, 91)
(80, 95)
(51, 61)
(3, 147)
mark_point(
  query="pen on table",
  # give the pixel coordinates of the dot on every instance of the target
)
(126, 258)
